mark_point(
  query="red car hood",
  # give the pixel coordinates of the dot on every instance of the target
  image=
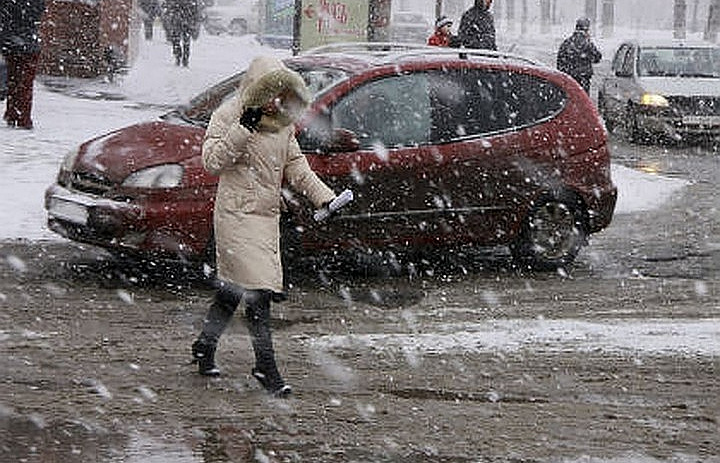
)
(119, 153)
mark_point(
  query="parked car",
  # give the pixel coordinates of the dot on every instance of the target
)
(669, 89)
(410, 27)
(3, 79)
(441, 148)
(233, 17)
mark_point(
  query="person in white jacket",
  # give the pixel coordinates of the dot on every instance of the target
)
(250, 144)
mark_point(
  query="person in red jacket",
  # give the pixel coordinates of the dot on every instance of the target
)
(442, 37)
(20, 45)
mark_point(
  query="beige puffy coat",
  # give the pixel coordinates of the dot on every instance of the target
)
(251, 167)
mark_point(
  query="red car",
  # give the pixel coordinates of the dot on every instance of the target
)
(442, 148)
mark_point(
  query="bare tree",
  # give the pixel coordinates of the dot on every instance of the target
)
(680, 19)
(608, 17)
(510, 13)
(591, 12)
(545, 6)
(713, 21)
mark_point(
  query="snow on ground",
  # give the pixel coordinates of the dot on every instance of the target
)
(30, 159)
(695, 337)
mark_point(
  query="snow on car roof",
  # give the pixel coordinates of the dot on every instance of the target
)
(672, 43)
(380, 53)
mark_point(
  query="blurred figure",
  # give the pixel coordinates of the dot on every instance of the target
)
(442, 37)
(150, 9)
(477, 27)
(578, 53)
(20, 45)
(181, 19)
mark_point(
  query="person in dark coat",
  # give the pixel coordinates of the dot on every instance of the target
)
(20, 46)
(477, 27)
(578, 53)
(181, 19)
(150, 9)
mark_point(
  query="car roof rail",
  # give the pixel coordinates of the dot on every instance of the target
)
(363, 47)
(398, 50)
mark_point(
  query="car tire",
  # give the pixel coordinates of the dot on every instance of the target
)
(552, 234)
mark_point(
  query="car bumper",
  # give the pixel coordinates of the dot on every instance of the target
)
(126, 227)
(679, 126)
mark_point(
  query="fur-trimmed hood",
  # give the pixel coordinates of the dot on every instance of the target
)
(266, 77)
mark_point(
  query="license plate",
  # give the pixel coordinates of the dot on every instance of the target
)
(68, 210)
(701, 120)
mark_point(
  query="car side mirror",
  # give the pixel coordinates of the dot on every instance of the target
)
(342, 141)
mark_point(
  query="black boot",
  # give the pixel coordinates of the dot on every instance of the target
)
(257, 313)
(218, 317)
(272, 382)
(204, 355)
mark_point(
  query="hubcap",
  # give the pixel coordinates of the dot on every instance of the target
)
(553, 231)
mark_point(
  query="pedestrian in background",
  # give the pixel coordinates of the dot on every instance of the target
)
(442, 37)
(477, 27)
(250, 144)
(20, 46)
(578, 53)
(181, 19)
(150, 9)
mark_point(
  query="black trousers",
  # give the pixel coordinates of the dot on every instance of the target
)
(257, 315)
(584, 82)
(181, 46)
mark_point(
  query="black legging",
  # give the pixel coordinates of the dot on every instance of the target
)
(257, 314)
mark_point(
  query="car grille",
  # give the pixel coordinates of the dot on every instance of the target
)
(696, 105)
(90, 182)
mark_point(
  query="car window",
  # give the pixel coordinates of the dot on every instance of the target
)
(620, 58)
(682, 62)
(472, 102)
(627, 68)
(392, 111)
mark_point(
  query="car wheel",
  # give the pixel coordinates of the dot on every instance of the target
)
(552, 234)
(602, 107)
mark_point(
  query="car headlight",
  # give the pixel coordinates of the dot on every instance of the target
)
(653, 99)
(163, 176)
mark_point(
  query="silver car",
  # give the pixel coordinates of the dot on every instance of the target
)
(665, 89)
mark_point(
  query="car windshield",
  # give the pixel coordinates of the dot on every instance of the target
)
(410, 18)
(679, 62)
(201, 107)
